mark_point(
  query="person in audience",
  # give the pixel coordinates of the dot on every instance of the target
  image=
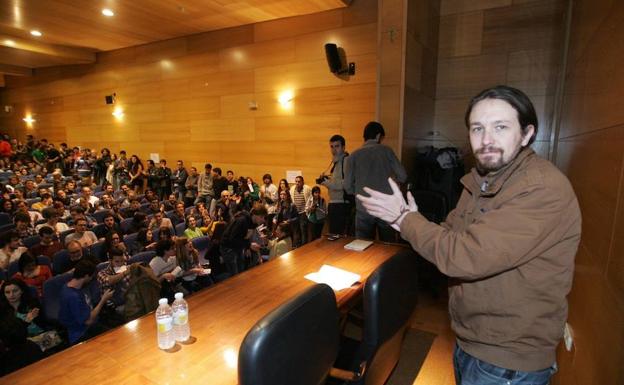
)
(22, 207)
(120, 170)
(144, 242)
(52, 217)
(110, 225)
(75, 313)
(49, 243)
(300, 194)
(31, 273)
(8, 207)
(116, 277)
(179, 180)
(19, 320)
(30, 189)
(219, 182)
(269, 196)
(190, 187)
(139, 222)
(77, 212)
(70, 187)
(154, 207)
(158, 221)
(122, 194)
(87, 207)
(105, 202)
(163, 173)
(178, 216)
(12, 248)
(232, 184)
(316, 210)
(165, 267)
(135, 172)
(286, 211)
(193, 275)
(150, 177)
(283, 186)
(82, 235)
(135, 207)
(87, 196)
(205, 188)
(222, 208)
(148, 196)
(192, 231)
(117, 214)
(46, 201)
(235, 239)
(282, 243)
(170, 203)
(113, 240)
(61, 196)
(17, 297)
(254, 189)
(23, 225)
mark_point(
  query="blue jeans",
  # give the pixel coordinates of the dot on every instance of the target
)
(472, 371)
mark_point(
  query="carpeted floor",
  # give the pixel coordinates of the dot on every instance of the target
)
(415, 348)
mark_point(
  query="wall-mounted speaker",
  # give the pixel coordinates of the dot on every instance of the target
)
(336, 60)
(333, 58)
(110, 99)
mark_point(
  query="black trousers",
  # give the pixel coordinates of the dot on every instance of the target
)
(338, 215)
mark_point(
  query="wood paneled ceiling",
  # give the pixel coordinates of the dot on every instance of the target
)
(74, 30)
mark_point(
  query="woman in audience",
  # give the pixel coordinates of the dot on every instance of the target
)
(165, 267)
(31, 273)
(113, 240)
(139, 222)
(8, 207)
(135, 171)
(286, 210)
(194, 277)
(282, 244)
(316, 210)
(144, 242)
(254, 189)
(283, 186)
(192, 231)
(17, 351)
(10, 248)
(17, 295)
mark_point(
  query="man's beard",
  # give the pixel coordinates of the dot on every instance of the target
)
(491, 165)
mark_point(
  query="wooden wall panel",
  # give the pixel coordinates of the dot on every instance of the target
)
(189, 98)
(489, 42)
(591, 153)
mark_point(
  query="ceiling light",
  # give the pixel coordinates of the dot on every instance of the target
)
(10, 43)
(108, 12)
(34, 32)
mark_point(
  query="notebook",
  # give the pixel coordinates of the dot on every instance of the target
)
(358, 245)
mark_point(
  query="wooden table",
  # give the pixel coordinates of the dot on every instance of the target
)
(220, 317)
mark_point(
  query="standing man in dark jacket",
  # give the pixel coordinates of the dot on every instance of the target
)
(179, 180)
(509, 245)
(235, 239)
(371, 165)
(163, 175)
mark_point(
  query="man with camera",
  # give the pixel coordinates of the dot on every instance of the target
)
(339, 208)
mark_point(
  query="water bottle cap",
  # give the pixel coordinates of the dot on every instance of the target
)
(179, 295)
(163, 301)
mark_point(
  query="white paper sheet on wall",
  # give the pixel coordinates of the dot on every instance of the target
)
(155, 157)
(291, 175)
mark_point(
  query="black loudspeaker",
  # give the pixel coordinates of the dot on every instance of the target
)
(110, 99)
(333, 58)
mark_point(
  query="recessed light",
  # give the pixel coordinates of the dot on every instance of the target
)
(34, 32)
(10, 43)
(108, 12)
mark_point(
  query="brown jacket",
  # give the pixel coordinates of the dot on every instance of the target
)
(510, 244)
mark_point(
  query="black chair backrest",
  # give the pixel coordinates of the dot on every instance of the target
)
(296, 343)
(390, 296)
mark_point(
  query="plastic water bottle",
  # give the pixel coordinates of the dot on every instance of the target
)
(164, 322)
(181, 328)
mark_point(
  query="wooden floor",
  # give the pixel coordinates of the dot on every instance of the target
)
(432, 316)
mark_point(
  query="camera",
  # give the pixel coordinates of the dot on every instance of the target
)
(321, 179)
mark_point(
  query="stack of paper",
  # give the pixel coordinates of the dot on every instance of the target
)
(336, 278)
(358, 245)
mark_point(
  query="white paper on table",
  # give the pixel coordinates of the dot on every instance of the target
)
(336, 278)
(358, 245)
